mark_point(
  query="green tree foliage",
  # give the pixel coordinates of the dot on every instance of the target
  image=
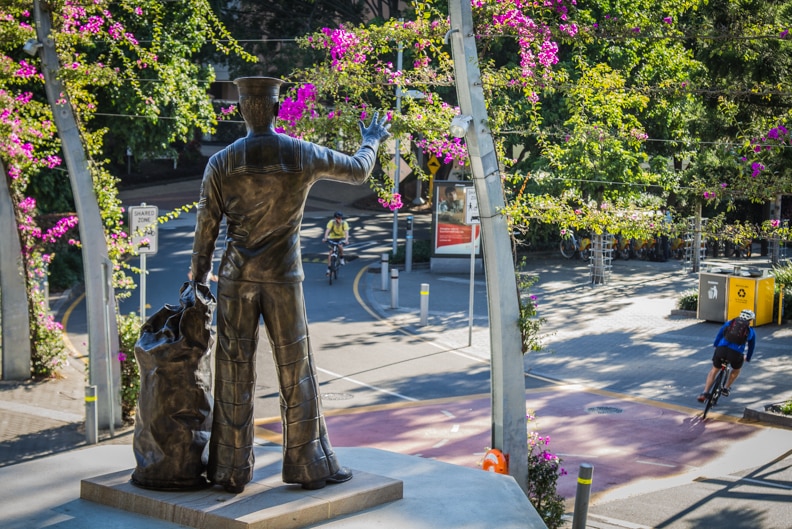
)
(268, 31)
(641, 104)
(746, 50)
(129, 71)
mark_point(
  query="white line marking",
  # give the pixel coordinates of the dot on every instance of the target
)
(448, 414)
(38, 411)
(620, 523)
(359, 383)
(765, 483)
(441, 443)
(462, 281)
(655, 464)
(455, 428)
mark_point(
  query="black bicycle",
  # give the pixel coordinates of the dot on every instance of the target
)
(716, 390)
(334, 265)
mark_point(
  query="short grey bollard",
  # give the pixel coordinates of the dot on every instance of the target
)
(582, 496)
(91, 416)
(384, 272)
(395, 288)
(424, 303)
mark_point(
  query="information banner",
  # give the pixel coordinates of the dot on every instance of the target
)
(452, 236)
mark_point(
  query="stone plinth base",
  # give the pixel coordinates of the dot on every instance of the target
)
(267, 502)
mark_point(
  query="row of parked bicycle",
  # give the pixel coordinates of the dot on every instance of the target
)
(649, 249)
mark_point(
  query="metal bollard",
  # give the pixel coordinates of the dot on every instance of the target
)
(384, 271)
(582, 496)
(424, 303)
(91, 416)
(395, 288)
(408, 246)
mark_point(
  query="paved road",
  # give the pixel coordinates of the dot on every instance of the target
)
(615, 387)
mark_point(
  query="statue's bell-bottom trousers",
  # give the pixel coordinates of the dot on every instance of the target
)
(307, 453)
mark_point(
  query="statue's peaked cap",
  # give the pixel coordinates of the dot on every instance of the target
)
(258, 86)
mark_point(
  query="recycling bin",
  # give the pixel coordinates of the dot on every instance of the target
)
(755, 293)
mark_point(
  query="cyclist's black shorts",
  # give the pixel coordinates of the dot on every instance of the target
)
(734, 358)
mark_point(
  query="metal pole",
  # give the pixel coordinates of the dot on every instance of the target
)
(14, 320)
(108, 295)
(775, 213)
(408, 248)
(582, 496)
(696, 264)
(142, 287)
(384, 272)
(395, 288)
(509, 429)
(399, 57)
(424, 304)
(91, 417)
(142, 282)
(472, 281)
(780, 304)
(92, 236)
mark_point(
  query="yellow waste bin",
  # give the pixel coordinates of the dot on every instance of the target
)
(755, 293)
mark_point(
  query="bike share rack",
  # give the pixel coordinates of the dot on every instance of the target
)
(601, 260)
(690, 237)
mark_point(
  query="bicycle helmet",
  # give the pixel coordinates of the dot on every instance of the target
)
(338, 214)
(747, 314)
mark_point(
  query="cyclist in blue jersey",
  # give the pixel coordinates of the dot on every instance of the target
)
(733, 353)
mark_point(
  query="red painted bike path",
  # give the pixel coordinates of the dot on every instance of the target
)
(627, 440)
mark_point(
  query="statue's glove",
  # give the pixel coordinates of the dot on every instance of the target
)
(376, 132)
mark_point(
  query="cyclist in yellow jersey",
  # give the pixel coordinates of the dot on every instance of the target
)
(337, 231)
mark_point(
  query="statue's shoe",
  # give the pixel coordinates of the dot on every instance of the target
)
(343, 474)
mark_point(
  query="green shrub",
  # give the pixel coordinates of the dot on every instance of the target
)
(48, 350)
(783, 284)
(66, 268)
(544, 469)
(128, 333)
(783, 274)
(421, 252)
(786, 408)
(530, 322)
(688, 300)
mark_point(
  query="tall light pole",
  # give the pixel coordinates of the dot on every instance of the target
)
(508, 380)
(13, 305)
(103, 341)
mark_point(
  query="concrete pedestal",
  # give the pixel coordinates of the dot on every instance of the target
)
(266, 503)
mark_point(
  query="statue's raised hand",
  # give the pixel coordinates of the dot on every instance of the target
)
(377, 130)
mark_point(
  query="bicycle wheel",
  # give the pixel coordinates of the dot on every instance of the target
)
(333, 268)
(567, 248)
(714, 393)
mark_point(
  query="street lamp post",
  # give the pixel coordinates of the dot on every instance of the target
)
(102, 331)
(509, 432)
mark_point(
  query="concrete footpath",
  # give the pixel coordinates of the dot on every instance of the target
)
(615, 388)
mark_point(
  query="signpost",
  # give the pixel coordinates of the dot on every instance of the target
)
(433, 164)
(472, 220)
(144, 226)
